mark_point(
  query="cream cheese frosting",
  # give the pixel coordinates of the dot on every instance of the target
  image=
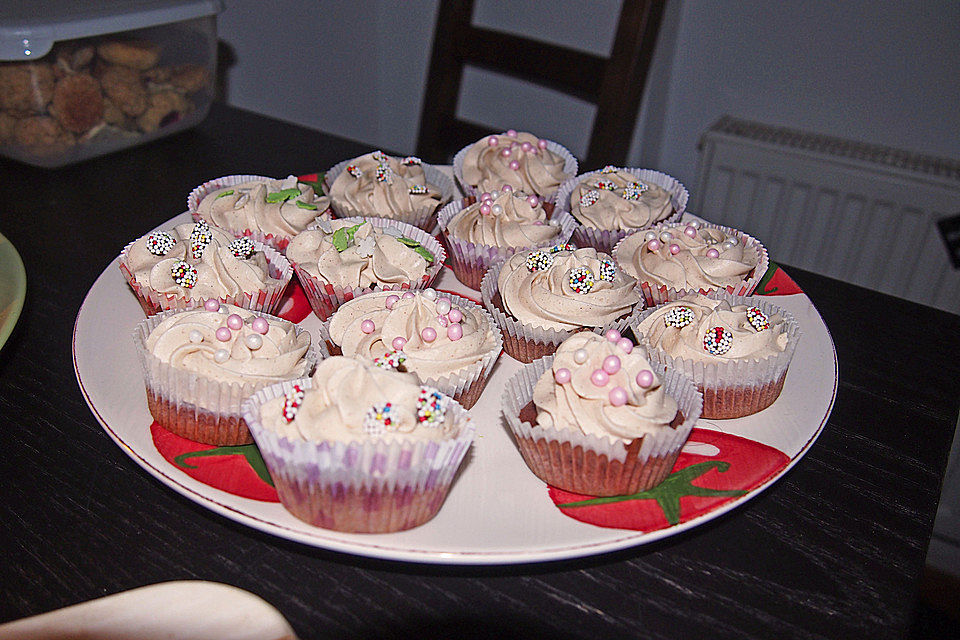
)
(198, 261)
(277, 207)
(348, 255)
(376, 184)
(687, 256)
(505, 218)
(707, 330)
(433, 334)
(564, 288)
(230, 345)
(615, 199)
(602, 388)
(519, 159)
(352, 400)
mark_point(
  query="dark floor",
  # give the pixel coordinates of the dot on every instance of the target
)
(937, 616)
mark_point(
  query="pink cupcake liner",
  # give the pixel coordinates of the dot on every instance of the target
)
(376, 486)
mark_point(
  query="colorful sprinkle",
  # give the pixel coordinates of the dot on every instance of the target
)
(539, 261)
(183, 274)
(242, 248)
(160, 243)
(609, 169)
(589, 198)
(379, 156)
(391, 360)
(606, 185)
(557, 248)
(581, 279)
(291, 402)
(630, 193)
(678, 317)
(431, 406)
(757, 319)
(200, 237)
(717, 341)
(639, 186)
(411, 160)
(379, 418)
(383, 173)
(354, 170)
(418, 189)
(608, 270)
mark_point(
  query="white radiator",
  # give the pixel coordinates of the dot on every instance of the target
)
(856, 212)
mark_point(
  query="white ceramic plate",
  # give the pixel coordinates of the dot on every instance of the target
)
(497, 512)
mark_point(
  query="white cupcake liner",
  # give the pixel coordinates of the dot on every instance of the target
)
(525, 342)
(278, 242)
(582, 463)
(262, 301)
(654, 294)
(470, 261)
(376, 486)
(606, 239)
(198, 407)
(570, 167)
(738, 387)
(464, 385)
(424, 218)
(324, 299)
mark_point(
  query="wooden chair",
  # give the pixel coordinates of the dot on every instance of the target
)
(614, 84)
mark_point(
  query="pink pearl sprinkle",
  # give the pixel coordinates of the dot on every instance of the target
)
(399, 343)
(512, 133)
(485, 196)
(407, 295)
(485, 209)
(533, 201)
(612, 335)
(674, 249)
(618, 396)
(505, 152)
(367, 326)
(562, 376)
(506, 188)
(443, 320)
(455, 315)
(234, 321)
(223, 334)
(653, 245)
(392, 301)
(713, 253)
(542, 143)
(260, 325)
(212, 305)
(527, 147)
(690, 231)
(493, 141)
(611, 364)
(625, 345)
(455, 332)
(645, 378)
(514, 165)
(429, 334)
(599, 378)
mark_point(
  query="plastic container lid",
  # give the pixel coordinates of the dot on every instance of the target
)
(28, 31)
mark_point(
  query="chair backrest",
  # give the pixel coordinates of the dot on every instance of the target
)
(614, 84)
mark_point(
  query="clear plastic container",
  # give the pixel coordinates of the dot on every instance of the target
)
(81, 79)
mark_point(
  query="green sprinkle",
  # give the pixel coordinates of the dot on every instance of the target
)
(410, 242)
(340, 240)
(225, 193)
(306, 205)
(351, 231)
(426, 254)
(283, 195)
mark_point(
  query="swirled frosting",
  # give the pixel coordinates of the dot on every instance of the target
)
(688, 258)
(349, 255)
(407, 325)
(567, 396)
(544, 297)
(505, 219)
(488, 165)
(692, 334)
(345, 395)
(379, 185)
(278, 207)
(198, 261)
(616, 199)
(195, 341)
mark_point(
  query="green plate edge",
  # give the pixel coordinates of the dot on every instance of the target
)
(13, 288)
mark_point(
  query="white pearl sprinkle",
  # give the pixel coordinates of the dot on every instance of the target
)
(253, 341)
(443, 306)
(430, 294)
(496, 209)
(727, 245)
(494, 195)
(650, 235)
(554, 223)
(580, 356)
(666, 236)
(196, 337)
(694, 223)
(221, 356)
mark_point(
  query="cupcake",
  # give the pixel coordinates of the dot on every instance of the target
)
(199, 365)
(358, 448)
(268, 210)
(610, 203)
(598, 418)
(539, 298)
(345, 258)
(447, 341)
(379, 185)
(673, 258)
(522, 160)
(493, 227)
(736, 349)
(194, 262)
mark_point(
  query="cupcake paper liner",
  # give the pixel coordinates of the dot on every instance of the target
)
(606, 239)
(595, 465)
(262, 301)
(195, 406)
(655, 294)
(739, 387)
(570, 166)
(465, 385)
(360, 487)
(525, 342)
(324, 299)
(425, 218)
(278, 242)
(470, 261)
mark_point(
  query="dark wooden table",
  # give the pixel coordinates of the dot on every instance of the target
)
(834, 549)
